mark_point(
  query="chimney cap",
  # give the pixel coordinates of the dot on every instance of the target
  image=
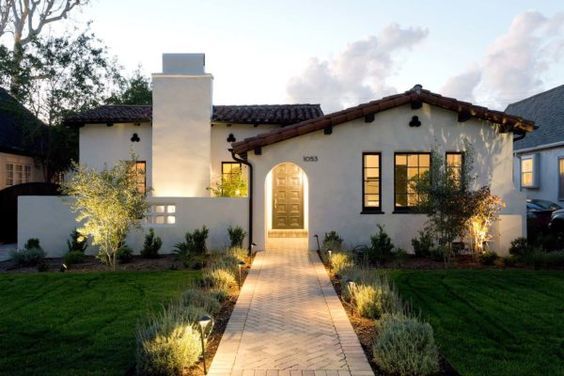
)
(184, 63)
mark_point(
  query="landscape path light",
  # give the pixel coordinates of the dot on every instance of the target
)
(204, 321)
(350, 285)
(330, 252)
(241, 265)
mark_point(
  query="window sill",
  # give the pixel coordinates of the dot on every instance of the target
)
(406, 211)
(372, 211)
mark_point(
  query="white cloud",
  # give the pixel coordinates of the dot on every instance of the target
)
(358, 74)
(514, 64)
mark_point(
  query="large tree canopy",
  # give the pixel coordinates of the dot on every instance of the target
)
(57, 76)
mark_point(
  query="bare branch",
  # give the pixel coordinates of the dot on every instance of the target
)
(29, 17)
(5, 15)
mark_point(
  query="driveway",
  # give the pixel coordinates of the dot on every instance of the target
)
(289, 321)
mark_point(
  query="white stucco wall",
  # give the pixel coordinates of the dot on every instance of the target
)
(548, 174)
(335, 180)
(181, 135)
(50, 219)
(220, 147)
(102, 147)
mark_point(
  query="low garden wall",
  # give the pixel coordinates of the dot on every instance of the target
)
(50, 219)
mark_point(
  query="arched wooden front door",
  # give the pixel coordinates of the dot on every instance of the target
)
(287, 197)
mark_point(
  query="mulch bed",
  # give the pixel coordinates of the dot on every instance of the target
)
(365, 329)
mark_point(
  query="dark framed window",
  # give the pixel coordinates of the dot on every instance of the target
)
(140, 169)
(371, 182)
(453, 164)
(407, 167)
(561, 178)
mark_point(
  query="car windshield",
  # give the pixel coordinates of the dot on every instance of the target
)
(546, 205)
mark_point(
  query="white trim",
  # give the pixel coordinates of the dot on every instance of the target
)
(540, 147)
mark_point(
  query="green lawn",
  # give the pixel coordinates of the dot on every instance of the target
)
(78, 324)
(492, 322)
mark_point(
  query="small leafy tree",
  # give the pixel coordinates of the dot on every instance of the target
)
(235, 185)
(486, 207)
(107, 204)
(445, 196)
(453, 208)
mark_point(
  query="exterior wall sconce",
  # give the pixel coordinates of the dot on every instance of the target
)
(415, 122)
(135, 138)
(231, 138)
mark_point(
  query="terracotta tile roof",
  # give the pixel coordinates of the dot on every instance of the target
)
(282, 114)
(415, 97)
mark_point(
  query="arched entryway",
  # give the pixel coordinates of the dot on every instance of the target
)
(286, 188)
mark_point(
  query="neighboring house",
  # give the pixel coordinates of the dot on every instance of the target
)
(309, 173)
(18, 154)
(539, 157)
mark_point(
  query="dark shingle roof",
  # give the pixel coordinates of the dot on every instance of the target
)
(18, 126)
(414, 96)
(547, 111)
(283, 114)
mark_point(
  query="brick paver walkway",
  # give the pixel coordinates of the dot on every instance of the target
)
(288, 321)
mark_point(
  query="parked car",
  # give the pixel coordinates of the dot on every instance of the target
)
(539, 214)
(556, 223)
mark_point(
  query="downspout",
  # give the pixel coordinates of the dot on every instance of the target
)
(250, 166)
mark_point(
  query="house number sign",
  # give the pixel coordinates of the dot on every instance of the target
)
(310, 158)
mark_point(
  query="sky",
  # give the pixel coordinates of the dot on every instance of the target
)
(342, 53)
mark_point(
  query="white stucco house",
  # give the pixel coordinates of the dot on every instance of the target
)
(308, 173)
(539, 157)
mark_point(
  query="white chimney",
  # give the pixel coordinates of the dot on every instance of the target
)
(182, 105)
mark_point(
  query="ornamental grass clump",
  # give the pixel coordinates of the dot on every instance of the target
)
(366, 300)
(341, 262)
(219, 278)
(202, 299)
(405, 346)
(167, 343)
(238, 253)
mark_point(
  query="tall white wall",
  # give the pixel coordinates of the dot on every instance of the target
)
(50, 219)
(102, 147)
(182, 103)
(335, 180)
